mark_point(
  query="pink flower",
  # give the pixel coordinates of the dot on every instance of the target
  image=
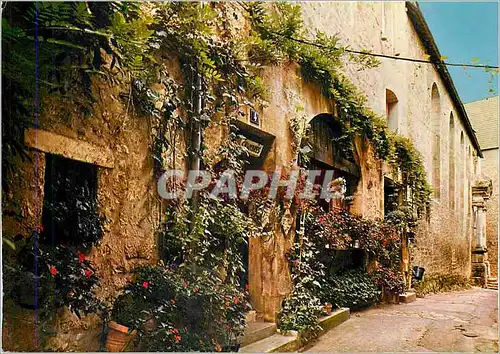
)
(145, 284)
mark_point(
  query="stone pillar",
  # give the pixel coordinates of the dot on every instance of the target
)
(481, 192)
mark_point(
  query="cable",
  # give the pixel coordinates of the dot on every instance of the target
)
(394, 57)
(384, 55)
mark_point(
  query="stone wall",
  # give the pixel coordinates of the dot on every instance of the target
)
(489, 166)
(127, 196)
(127, 188)
(443, 242)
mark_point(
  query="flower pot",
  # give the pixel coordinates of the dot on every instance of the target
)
(328, 308)
(118, 337)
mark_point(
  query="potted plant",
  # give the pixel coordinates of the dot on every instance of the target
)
(121, 327)
(327, 308)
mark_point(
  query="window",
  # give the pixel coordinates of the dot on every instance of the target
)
(391, 110)
(451, 162)
(70, 214)
(436, 140)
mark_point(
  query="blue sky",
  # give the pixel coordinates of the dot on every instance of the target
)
(463, 31)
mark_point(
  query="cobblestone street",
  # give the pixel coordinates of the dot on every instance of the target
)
(462, 321)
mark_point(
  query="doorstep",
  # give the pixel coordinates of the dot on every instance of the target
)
(291, 341)
(408, 297)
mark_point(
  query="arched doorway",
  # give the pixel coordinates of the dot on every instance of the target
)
(329, 150)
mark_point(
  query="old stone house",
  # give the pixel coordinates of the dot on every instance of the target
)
(484, 118)
(418, 100)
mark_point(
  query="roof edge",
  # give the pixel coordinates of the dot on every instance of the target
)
(420, 25)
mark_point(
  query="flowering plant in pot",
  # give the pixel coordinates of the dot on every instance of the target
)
(177, 309)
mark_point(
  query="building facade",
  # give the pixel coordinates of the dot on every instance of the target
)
(418, 100)
(484, 118)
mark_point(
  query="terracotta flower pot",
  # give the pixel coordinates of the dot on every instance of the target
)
(118, 337)
(327, 308)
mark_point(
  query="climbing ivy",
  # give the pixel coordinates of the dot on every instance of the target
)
(279, 34)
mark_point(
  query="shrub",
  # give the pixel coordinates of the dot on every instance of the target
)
(353, 288)
(441, 283)
(58, 275)
(176, 309)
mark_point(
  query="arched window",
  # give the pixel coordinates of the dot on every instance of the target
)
(462, 169)
(436, 140)
(451, 162)
(391, 110)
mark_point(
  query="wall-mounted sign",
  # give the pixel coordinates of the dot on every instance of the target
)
(254, 149)
(254, 117)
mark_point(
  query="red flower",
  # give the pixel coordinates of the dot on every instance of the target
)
(145, 284)
(40, 228)
(247, 287)
(88, 273)
(53, 271)
(178, 338)
(172, 301)
(235, 300)
(81, 257)
(195, 290)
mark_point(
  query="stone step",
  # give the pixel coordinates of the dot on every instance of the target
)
(290, 341)
(257, 331)
(408, 297)
(251, 316)
(275, 343)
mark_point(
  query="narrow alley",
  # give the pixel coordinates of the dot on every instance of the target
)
(463, 321)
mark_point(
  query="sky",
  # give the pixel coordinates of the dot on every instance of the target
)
(464, 31)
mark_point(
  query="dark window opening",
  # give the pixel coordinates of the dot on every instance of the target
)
(390, 196)
(70, 212)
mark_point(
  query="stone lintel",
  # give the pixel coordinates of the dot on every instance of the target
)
(74, 149)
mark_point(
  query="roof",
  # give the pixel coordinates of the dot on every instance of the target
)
(484, 116)
(420, 25)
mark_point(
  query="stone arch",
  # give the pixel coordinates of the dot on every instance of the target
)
(328, 155)
(391, 110)
(451, 161)
(436, 140)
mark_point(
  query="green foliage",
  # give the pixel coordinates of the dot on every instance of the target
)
(69, 42)
(389, 278)
(437, 283)
(211, 238)
(354, 289)
(58, 275)
(405, 157)
(179, 309)
(301, 309)
(279, 34)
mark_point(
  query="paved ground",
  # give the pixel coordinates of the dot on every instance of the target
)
(463, 321)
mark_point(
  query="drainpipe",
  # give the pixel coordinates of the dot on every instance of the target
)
(195, 157)
(196, 139)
